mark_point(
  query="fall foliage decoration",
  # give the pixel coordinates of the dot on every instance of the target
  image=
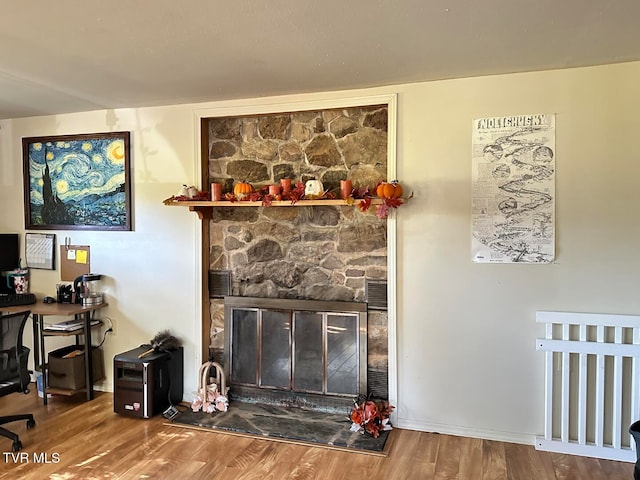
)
(296, 193)
(388, 193)
(184, 196)
(371, 417)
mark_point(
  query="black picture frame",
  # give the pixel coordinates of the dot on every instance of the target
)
(77, 182)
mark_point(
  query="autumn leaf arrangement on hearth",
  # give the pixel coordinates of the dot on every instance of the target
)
(371, 417)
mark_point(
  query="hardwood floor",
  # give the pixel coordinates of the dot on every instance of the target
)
(74, 439)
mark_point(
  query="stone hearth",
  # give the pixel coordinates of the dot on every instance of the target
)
(287, 424)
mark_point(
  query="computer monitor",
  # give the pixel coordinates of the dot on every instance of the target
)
(9, 251)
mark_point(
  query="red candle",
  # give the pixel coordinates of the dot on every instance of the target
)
(286, 185)
(274, 190)
(216, 192)
(345, 189)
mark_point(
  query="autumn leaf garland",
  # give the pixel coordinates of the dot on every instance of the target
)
(361, 196)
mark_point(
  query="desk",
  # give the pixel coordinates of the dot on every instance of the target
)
(38, 311)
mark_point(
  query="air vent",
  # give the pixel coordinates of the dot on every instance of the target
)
(376, 295)
(219, 283)
(378, 383)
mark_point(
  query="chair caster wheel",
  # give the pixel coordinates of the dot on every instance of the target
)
(17, 446)
(31, 424)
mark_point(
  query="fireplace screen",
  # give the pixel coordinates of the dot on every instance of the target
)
(296, 345)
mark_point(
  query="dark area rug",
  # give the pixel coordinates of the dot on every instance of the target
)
(287, 424)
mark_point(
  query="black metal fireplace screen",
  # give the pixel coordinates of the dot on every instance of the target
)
(306, 346)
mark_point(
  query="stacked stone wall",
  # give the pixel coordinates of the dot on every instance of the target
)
(316, 253)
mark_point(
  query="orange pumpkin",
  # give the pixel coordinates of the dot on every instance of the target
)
(242, 189)
(389, 189)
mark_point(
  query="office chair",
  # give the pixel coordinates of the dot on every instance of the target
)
(14, 375)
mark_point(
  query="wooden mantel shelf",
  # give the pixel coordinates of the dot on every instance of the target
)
(204, 208)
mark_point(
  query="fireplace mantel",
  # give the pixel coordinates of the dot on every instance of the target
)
(204, 208)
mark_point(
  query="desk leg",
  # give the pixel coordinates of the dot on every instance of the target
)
(88, 354)
(39, 319)
(36, 341)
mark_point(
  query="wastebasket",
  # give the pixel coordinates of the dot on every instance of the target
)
(634, 430)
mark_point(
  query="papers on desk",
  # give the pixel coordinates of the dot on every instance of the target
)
(67, 326)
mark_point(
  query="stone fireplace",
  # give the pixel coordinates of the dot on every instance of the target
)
(320, 253)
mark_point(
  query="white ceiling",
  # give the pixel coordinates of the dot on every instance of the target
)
(79, 55)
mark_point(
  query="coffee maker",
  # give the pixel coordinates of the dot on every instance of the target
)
(87, 289)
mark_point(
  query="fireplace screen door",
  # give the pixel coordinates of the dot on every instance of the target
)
(308, 350)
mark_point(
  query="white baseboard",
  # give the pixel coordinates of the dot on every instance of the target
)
(461, 431)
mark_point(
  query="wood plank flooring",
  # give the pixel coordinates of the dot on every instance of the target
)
(81, 440)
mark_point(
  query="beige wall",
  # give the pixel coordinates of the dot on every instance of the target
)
(466, 356)
(150, 273)
(466, 331)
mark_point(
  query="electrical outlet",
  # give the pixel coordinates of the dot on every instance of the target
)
(111, 324)
(171, 412)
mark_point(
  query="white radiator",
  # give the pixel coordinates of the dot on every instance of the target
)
(592, 384)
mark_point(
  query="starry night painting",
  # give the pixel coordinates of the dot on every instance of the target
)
(77, 182)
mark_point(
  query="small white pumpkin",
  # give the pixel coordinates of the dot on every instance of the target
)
(313, 189)
(192, 192)
(189, 192)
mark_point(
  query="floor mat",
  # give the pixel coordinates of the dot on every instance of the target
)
(287, 424)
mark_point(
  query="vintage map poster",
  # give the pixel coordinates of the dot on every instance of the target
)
(513, 197)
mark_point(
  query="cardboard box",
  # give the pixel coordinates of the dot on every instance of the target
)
(70, 372)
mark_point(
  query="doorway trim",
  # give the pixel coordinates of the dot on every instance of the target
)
(297, 103)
